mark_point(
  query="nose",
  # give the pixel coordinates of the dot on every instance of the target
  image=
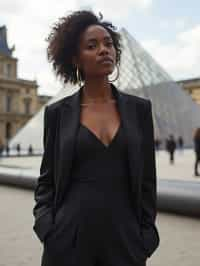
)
(103, 49)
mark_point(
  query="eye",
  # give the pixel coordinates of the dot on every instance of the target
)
(91, 46)
(109, 43)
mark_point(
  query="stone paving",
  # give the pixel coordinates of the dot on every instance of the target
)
(183, 167)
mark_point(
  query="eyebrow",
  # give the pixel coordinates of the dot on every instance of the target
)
(94, 39)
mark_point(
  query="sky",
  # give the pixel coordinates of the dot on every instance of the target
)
(168, 30)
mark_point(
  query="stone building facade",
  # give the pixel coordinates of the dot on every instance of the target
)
(192, 86)
(19, 100)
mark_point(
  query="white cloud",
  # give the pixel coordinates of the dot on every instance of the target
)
(116, 9)
(11, 7)
(180, 58)
(179, 23)
(191, 36)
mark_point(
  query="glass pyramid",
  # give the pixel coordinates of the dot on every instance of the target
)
(174, 111)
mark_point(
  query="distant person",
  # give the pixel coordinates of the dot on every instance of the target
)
(197, 151)
(180, 143)
(157, 144)
(30, 149)
(18, 148)
(7, 150)
(171, 147)
(1, 148)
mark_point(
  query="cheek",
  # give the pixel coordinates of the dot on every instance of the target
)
(88, 64)
(85, 58)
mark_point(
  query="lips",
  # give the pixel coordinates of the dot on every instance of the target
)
(106, 60)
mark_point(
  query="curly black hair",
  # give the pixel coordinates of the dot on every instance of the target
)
(64, 38)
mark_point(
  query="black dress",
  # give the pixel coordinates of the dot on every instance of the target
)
(96, 225)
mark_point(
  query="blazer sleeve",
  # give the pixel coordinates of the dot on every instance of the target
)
(44, 190)
(149, 186)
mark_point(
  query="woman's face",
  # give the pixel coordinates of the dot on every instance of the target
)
(97, 54)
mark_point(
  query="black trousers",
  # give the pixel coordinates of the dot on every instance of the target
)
(93, 237)
(87, 250)
(171, 157)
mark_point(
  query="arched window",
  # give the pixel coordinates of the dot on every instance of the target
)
(8, 103)
(8, 70)
(8, 130)
(27, 106)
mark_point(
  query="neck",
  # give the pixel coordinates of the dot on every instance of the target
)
(96, 90)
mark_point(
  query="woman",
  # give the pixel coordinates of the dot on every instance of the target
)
(96, 193)
(197, 150)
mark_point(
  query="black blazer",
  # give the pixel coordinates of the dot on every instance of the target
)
(61, 120)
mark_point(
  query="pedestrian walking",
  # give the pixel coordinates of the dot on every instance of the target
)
(197, 151)
(1, 147)
(30, 149)
(18, 149)
(171, 147)
(180, 143)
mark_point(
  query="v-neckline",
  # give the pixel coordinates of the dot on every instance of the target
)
(106, 146)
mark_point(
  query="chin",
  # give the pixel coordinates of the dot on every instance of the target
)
(105, 72)
(108, 72)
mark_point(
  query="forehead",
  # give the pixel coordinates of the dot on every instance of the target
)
(96, 32)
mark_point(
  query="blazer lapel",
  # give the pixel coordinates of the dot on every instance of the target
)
(130, 119)
(69, 121)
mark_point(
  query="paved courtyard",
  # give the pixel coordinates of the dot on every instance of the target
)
(183, 167)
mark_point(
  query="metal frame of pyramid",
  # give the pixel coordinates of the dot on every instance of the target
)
(174, 111)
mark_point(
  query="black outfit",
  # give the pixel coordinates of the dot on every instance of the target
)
(197, 155)
(180, 142)
(171, 147)
(97, 204)
(98, 208)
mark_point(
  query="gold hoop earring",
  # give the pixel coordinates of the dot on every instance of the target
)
(78, 76)
(117, 76)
